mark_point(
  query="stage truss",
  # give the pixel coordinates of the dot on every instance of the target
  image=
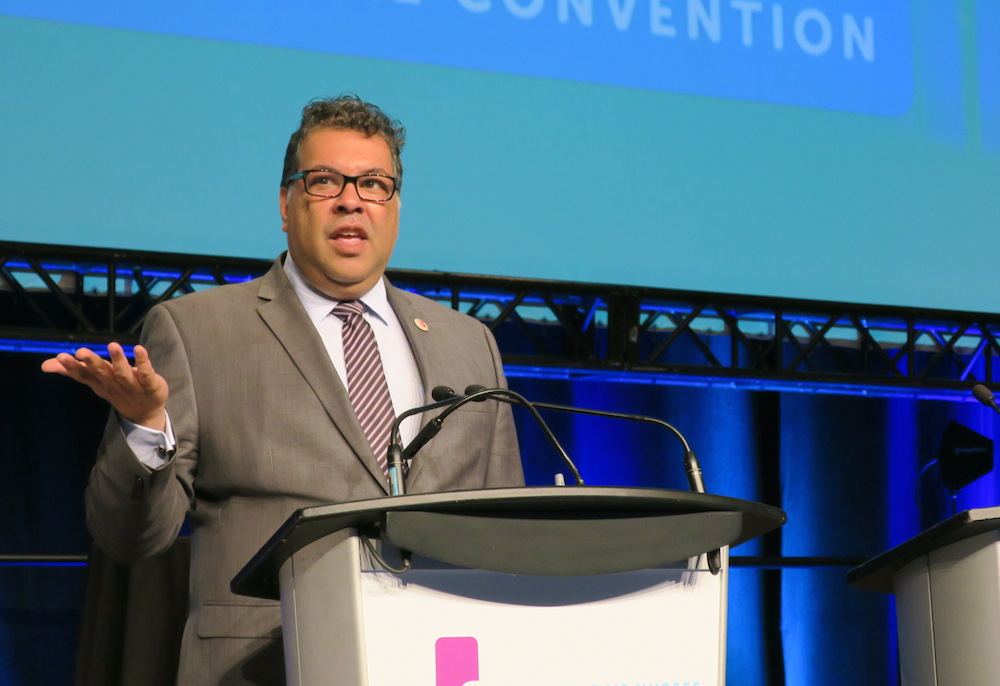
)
(58, 297)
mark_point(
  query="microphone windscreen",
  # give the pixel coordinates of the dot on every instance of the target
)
(984, 395)
(440, 393)
(475, 388)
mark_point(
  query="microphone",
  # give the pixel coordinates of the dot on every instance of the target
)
(478, 393)
(691, 467)
(440, 393)
(476, 388)
(985, 396)
(396, 457)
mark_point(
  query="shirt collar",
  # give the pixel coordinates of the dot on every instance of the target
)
(318, 305)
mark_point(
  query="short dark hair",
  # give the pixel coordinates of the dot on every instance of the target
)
(353, 114)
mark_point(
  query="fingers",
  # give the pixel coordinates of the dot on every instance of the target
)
(120, 366)
(138, 393)
(91, 362)
(53, 366)
(72, 365)
(116, 352)
(88, 367)
(144, 368)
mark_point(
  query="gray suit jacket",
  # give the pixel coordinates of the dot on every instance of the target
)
(264, 426)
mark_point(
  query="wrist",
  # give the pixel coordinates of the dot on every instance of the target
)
(157, 420)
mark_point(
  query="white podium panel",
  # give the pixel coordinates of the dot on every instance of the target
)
(947, 585)
(948, 611)
(347, 622)
(539, 586)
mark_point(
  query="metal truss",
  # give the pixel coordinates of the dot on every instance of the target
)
(58, 297)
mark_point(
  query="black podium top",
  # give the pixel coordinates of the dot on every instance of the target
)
(551, 530)
(878, 573)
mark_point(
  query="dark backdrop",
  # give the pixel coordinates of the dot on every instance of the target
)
(846, 469)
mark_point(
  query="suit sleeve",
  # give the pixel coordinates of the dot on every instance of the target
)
(505, 456)
(134, 512)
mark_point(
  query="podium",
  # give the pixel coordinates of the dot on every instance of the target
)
(947, 586)
(567, 585)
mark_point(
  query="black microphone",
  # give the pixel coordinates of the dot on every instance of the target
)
(475, 388)
(478, 393)
(985, 396)
(691, 467)
(440, 393)
(396, 457)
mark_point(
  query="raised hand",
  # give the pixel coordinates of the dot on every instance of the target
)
(138, 393)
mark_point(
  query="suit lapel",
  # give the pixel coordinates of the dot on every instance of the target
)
(283, 314)
(430, 356)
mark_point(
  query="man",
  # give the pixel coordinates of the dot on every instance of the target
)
(239, 410)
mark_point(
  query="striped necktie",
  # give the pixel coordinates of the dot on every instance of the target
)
(366, 383)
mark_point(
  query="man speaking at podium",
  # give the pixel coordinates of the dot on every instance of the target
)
(248, 401)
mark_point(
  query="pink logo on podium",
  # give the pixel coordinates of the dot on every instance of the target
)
(457, 661)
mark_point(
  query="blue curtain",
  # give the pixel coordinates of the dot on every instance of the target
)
(846, 469)
(849, 471)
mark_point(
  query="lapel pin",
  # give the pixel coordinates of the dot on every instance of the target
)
(421, 324)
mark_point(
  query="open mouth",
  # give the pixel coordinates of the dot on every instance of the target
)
(349, 235)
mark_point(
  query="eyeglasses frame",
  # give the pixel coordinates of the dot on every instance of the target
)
(347, 180)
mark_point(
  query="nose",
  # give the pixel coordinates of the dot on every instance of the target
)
(349, 200)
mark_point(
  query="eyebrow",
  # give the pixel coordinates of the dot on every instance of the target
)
(370, 170)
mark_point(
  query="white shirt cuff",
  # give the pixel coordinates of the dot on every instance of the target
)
(153, 448)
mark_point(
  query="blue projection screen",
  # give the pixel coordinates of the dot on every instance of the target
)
(828, 149)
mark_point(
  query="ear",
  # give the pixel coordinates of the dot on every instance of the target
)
(283, 207)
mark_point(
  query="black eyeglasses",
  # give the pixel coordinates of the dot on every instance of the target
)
(324, 183)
